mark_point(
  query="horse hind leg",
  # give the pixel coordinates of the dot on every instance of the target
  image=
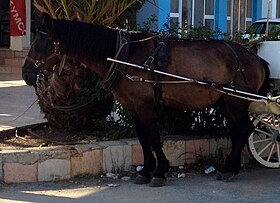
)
(240, 128)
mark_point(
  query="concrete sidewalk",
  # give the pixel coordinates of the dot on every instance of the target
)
(18, 105)
(256, 185)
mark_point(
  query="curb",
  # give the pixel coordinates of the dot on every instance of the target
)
(64, 162)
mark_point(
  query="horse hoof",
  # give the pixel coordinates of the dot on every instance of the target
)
(142, 180)
(229, 176)
(157, 182)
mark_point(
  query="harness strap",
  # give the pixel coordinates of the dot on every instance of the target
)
(161, 55)
(239, 68)
(113, 74)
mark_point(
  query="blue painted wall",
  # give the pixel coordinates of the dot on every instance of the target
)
(257, 10)
(220, 21)
(145, 13)
(163, 13)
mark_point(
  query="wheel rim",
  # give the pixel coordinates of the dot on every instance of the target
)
(264, 142)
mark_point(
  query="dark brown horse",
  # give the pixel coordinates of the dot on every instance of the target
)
(220, 62)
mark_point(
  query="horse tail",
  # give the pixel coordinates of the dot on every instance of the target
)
(266, 84)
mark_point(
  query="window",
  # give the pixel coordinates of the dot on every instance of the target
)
(278, 9)
(198, 12)
(176, 13)
(239, 15)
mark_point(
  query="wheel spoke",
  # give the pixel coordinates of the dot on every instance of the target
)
(278, 152)
(264, 148)
(264, 140)
(270, 153)
(263, 132)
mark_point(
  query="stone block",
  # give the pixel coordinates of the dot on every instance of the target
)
(21, 54)
(53, 154)
(89, 163)
(137, 155)
(54, 169)
(196, 149)
(1, 169)
(175, 151)
(116, 157)
(19, 156)
(7, 53)
(220, 147)
(5, 69)
(19, 173)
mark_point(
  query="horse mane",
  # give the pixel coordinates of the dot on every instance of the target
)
(84, 40)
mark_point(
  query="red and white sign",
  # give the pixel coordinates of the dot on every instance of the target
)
(18, 17)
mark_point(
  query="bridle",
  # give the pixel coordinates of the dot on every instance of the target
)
(38, 63)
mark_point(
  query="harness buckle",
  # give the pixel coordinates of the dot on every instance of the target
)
(38, 63)
(149, 61)
(40, 77)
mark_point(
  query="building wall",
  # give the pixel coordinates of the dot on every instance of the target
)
(145, 14)
(259, 10)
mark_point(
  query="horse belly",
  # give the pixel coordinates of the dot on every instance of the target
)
(189, 96)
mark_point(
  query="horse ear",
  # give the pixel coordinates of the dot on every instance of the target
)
(47, 22)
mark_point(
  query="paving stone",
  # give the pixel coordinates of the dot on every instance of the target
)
(19, 173)
(89, 163)
(175, 151)
(116, 157)
(54, 169)
(196, 149)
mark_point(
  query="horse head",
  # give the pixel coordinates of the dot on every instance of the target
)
(44, 54)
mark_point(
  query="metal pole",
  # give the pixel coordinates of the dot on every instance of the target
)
(268, 16)
(220, 88)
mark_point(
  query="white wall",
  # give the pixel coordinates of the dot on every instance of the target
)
(19, 43)
(272, 8)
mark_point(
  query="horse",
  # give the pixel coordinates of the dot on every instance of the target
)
(223, 63)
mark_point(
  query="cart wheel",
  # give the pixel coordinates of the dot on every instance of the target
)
(264, 142)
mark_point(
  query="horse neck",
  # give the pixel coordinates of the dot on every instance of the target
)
(87, 43)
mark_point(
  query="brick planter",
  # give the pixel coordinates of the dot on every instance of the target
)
(64, 162)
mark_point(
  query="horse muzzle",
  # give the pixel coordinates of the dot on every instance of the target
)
(30, 78)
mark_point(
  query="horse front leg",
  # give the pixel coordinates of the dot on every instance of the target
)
(150, 141)
(144, 175)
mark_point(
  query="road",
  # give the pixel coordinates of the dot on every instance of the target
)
(255, 185)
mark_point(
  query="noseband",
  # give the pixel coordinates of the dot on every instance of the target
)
(38, 63)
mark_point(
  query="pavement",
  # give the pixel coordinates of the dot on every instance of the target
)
(256, 185)
(18, 103)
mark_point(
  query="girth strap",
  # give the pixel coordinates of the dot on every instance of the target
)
(239, 68)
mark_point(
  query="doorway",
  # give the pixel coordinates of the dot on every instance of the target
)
(4, 23)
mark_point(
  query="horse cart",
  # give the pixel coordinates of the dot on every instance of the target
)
(264, 142)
